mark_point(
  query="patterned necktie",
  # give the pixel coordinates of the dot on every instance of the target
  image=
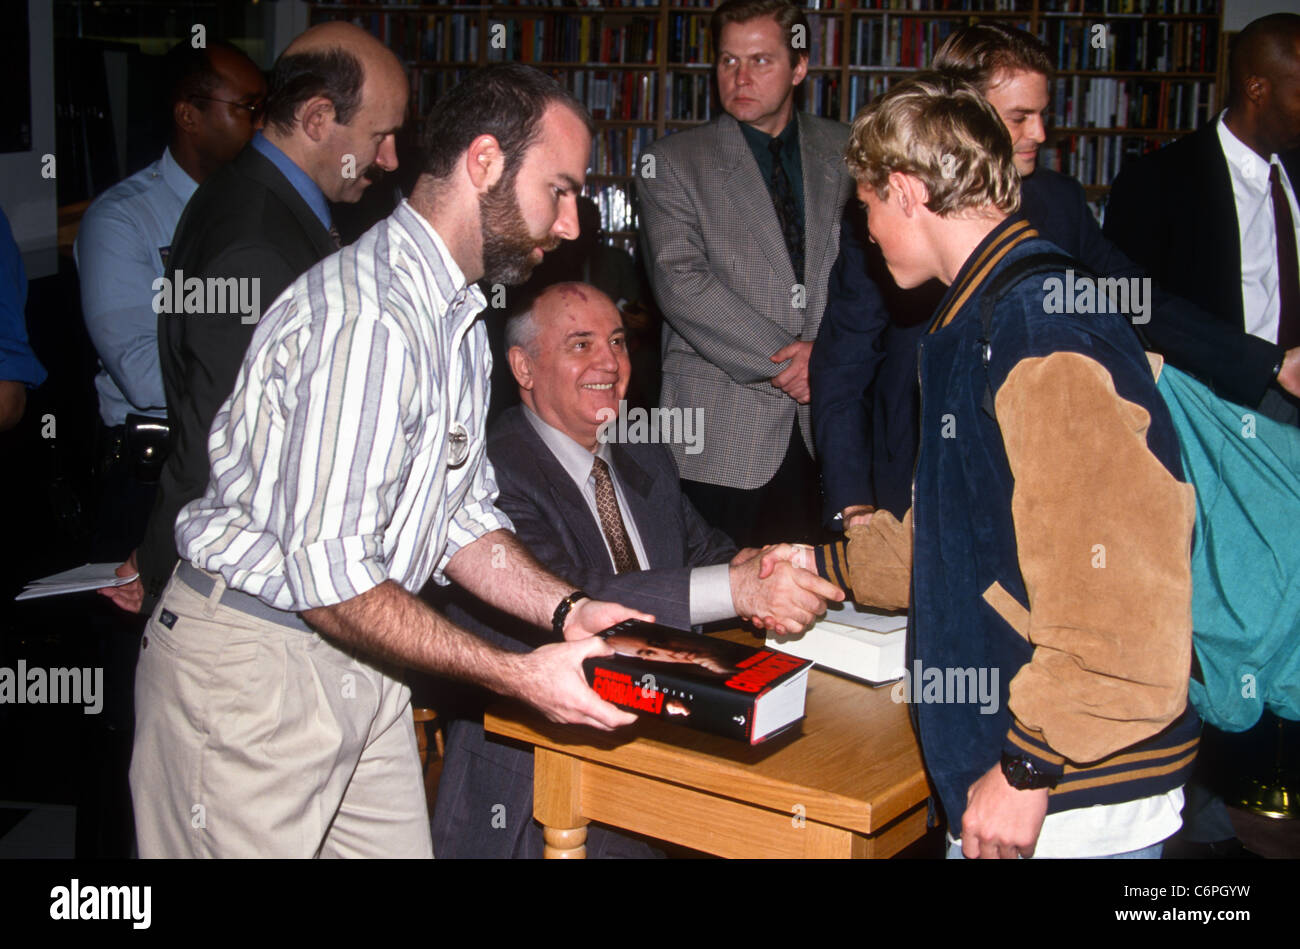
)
(334, 236)
(611, 521)
(1288, 271)
(787, 211)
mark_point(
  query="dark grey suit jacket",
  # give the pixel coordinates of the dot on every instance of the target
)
(723, 279)
(247, 220)
(481, 776)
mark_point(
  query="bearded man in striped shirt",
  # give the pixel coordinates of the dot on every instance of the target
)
(347, 467)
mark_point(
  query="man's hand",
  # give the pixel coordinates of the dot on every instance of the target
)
(744, 555)
(551, 679)
(1001, 821)
(793, 379)
(589, 617)
(129, 596)
(783, 598)
(856, 514)
(1288, 377)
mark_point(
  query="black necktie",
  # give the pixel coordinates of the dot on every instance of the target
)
(787, 212)
(611, 520)
(1288, 271)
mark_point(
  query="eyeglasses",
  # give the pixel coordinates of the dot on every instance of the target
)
(253, 110)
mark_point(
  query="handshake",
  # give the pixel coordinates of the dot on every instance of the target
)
(777, 588)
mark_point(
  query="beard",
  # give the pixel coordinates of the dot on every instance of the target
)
(507, 244)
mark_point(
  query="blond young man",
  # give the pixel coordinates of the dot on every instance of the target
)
(1047, 547)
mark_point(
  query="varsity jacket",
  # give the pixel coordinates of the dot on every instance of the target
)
(1048, 544)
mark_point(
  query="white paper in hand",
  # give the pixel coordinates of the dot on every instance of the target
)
(92, 576)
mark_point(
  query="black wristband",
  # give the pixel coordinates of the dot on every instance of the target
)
(562, 612)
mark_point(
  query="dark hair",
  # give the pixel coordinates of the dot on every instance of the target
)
(974, 53)
(1259, 49)
(786, 14)
(335, 74)
(504, 100)
(188, 72)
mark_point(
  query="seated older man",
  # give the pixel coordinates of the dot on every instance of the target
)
(611, 518)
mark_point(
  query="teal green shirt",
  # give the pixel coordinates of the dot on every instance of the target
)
(790, 160)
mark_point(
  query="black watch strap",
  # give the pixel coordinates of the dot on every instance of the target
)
(562, 612)
(1022, 775)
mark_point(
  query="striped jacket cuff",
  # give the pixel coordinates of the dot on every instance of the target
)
(1022, 742)
(832, 565)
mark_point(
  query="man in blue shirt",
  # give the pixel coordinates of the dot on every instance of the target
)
(19, 368)
(216, 95)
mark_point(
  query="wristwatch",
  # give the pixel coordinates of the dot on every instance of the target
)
(562, 612)
(1022, 775)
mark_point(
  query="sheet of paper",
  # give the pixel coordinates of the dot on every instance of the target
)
(91, 576)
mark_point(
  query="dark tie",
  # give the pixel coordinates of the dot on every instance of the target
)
(334, 236)
(787, 212)
(1288, 271)
(611, 521)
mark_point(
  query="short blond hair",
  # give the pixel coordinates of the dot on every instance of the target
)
(941, 131)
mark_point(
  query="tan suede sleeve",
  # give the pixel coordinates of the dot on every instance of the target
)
(875, 563)
(1104, 535)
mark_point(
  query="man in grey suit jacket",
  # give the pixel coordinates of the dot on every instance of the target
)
(569, 357)
(740, 225)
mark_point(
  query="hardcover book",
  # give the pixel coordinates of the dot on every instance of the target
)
(706, 683)
(854, 641)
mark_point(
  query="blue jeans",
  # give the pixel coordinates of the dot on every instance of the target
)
(1146, 853)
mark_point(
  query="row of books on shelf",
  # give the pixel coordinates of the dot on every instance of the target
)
(615, 94)
(617, 151)
(1095, 160)
(617, 206)
(1135, 45)
(689, 40)
(1132, 103)
(905, 41)
(448, 38)
(576, 39)
(688, 96)
(1186, 7)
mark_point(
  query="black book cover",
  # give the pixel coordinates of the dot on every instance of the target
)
(706, 683)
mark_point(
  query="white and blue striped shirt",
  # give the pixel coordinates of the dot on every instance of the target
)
(333, 464)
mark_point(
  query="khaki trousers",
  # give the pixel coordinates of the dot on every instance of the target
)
(255, 739)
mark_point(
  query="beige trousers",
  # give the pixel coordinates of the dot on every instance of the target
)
(254, 739)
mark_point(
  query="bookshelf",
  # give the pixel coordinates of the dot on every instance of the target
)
(643, 68)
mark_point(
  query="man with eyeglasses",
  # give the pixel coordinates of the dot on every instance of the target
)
(337, 97)
(210, 96)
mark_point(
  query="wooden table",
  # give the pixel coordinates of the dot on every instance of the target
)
(847, 782)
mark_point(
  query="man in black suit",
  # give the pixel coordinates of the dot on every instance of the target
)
(612, 519)
(863, 366)
(1213, 215)
(337, 97)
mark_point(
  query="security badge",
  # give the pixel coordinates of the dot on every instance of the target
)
(457, 445)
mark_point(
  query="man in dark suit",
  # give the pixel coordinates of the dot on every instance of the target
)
(337, 96)
(863, 366)
(740, 220)
(610, 518)
(1213, 216)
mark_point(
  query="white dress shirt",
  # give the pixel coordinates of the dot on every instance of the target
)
(1256, 227)
(352, 450)
(710, 586)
